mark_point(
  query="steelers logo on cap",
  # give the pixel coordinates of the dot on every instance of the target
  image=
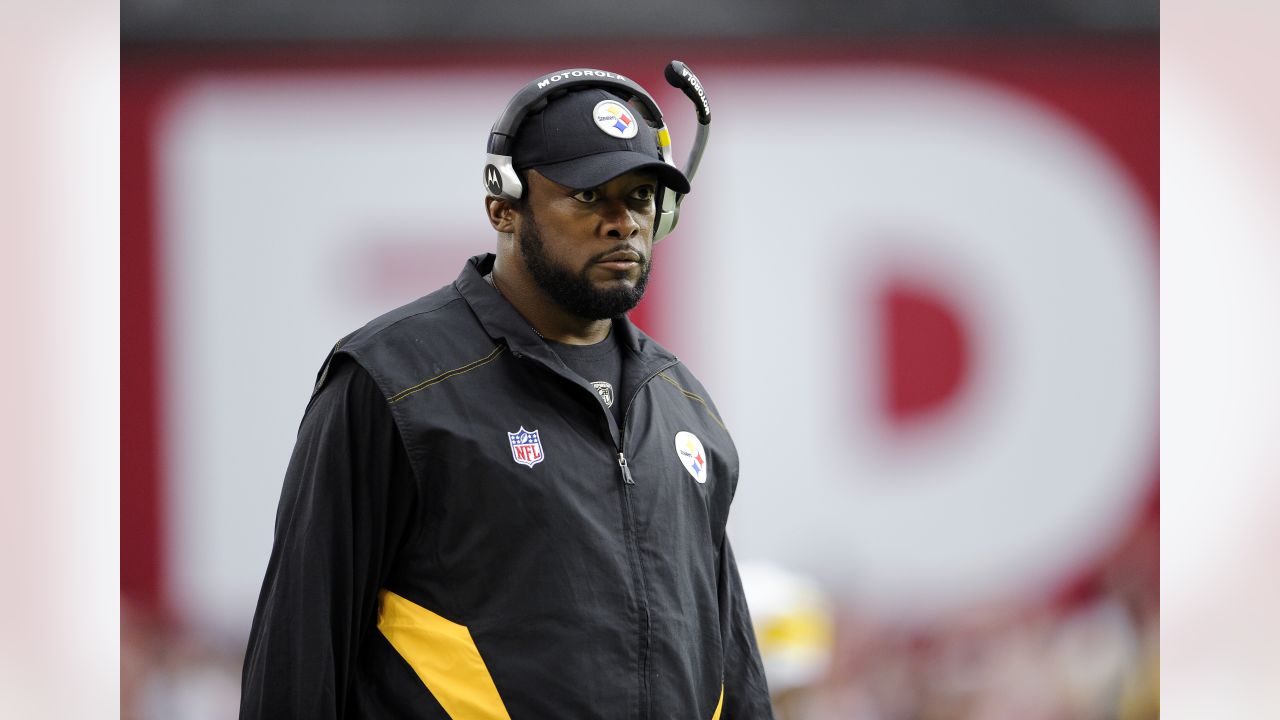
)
(615, 119)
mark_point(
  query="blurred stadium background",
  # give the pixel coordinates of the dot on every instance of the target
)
(918, 272)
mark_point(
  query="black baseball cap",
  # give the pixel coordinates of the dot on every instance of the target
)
(589, 137)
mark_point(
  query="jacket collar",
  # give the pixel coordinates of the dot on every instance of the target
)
(502, 322)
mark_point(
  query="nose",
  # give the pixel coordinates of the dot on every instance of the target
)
(619, 221)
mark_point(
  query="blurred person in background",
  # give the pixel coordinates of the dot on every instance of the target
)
(795, 632)
(505, 499)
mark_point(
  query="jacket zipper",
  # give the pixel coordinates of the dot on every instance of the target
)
(637, 565)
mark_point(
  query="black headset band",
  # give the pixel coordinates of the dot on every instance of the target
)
(536, 94)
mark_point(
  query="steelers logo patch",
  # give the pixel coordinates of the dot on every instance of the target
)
(615, 119)
(692, 456)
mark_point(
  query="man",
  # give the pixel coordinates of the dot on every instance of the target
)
(505, 500)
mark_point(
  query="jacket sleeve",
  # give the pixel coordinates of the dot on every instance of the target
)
(347, 498)
(746, 693)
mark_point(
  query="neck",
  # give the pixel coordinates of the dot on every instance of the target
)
(547, 318)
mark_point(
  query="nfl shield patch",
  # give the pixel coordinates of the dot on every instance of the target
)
(526, 448)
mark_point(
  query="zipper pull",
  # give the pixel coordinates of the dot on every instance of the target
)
(626, 471)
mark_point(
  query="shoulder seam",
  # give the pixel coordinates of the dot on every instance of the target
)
(693, 396)
(493, 355)
(328, 363)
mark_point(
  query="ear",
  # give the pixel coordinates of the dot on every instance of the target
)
(502, 216)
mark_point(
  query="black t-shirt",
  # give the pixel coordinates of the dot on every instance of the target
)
(600, 365)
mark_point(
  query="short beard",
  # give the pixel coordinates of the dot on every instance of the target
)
(574, 292)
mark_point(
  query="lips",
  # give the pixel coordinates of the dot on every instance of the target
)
(621, 256)
(621, 261)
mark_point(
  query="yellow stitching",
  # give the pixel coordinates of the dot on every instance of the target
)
(693, 396)
(445, 376)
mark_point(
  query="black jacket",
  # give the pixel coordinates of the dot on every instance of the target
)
(420, 570)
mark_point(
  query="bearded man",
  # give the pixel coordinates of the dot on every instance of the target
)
(505, 499)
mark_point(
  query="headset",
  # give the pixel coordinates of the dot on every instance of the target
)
(500, 178)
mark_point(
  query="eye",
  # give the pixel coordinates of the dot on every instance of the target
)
(586, 196)
(643, 192)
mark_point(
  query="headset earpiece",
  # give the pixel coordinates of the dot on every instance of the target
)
(668, 211)
(500, 178)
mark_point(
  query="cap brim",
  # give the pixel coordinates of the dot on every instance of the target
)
(595, 170)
